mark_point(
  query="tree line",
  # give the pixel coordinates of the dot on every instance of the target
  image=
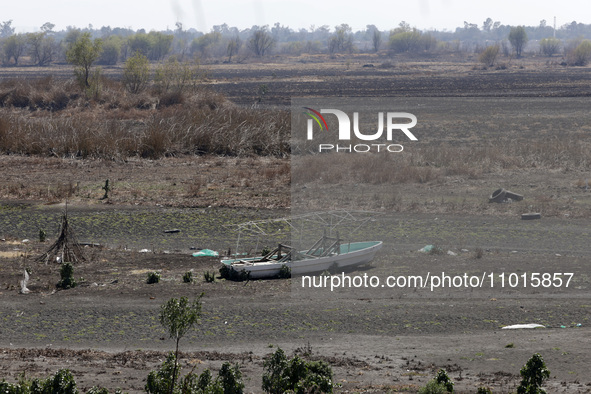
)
(229, 44)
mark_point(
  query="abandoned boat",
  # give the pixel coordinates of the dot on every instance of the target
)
(326, 254)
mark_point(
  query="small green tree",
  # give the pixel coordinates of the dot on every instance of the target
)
(14, 47)
(489, 55)
(178, 316)
(518, 39)
(175, 76)
(581, 54)
(298, 375)
(67, 277)
(549, 46)
(533, 374)
(161, 380)
(136, 73)
(82, 54)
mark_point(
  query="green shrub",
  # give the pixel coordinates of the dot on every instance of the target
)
(432, 387)
(284, 272)
(230, 378)
(442, 378)
(160, 381)
(441, 383)
(228, 381)
(209, 277)
(153, 277)
(188, 277)
(533, 374)
(300, 376)
(136, 73)
(549, 46)
(230, 273)
(67, 277)
(61, 383)
(489, 55)
(581, 54)
(483, 390)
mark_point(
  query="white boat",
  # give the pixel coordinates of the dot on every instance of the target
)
(326, 254)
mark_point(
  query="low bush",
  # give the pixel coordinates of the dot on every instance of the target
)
(188, 277)
(297, 375)
(153, 277)
(533, 374)
(230, 273)
(228, 381)
(209, 277)
(67, 277)
(440, 384)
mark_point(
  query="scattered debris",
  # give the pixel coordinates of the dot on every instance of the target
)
(531, 216)
(66, 247)
(206, 252)
(24, 282)
(520, 326)
(90, 244)
(502, 195)
(426, 248)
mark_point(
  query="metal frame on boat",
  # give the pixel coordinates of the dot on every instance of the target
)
(326, 253)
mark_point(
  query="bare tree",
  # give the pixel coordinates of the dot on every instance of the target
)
(233, 47)
(376, 40)
(14, 47)
(6, 29)
(261, 41)
(518, 39)
(41, 48)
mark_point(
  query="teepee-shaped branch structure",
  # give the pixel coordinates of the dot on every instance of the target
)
(66, 247)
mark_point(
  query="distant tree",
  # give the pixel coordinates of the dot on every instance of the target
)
(233, 47)
(404, 41)
(82, 54)
(139, 42)
(14, 47)
(342, 39)
(487, 25)
(549, 46)
(6, 29)
(204, 45)
(518, 39)
(111, 50)
(41, 48)
(581, 55)
(159, 44)
(261, 41)
(376, 40)
(72, 34)
(47, 28)
(136, 73)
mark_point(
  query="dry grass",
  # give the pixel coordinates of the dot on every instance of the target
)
(431, 163)
(49, 118)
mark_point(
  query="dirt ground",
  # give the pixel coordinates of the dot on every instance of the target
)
(377, 340)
